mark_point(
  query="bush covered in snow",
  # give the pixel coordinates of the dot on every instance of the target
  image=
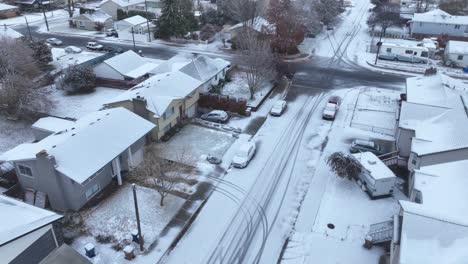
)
(77, 79)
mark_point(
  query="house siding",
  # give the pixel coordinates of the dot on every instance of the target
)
(404, 137)
(436, 158)
(103, 70)
(110, 8)
(435, 29)
(38, 250)
(86, 24)
(453, 57)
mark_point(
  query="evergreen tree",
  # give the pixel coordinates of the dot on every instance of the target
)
(177, 18)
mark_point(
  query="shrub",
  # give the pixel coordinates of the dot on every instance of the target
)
(207, 32)
(77, 79)
(99, 26)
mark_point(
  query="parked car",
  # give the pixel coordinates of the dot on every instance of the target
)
(112, 32)
(113, 49)
(360, 145)
(54, 41)
(216, 116)
(243, 155)
(73, 49)
(331, 108)
(278, 108)
(94, 46)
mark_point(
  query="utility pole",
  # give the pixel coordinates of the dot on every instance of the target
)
(29, 30)
(133, 37)
(147, 22)
(379, 44)
(140, 237)
(45, 17)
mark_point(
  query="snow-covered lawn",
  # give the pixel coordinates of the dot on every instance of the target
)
(76, 106)
(115, 217)
(38, 17)
(238, 87)
(13, 133)
(62, 60)
(198, 140)
(64, 28)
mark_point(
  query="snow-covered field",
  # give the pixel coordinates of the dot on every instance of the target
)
(238, 87)
(13, 133)
(76, 106)
(115, 217)
(199, 141)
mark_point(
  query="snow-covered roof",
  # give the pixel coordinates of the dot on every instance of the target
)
(135, 20)
(65, 254)
(6, 32)
(124, 3)
(457, 47)
(19, 218)
(97, 16)
(130, 64)
(160, 90)
(412, 115)
(429, 236)
(91, 143)
(52, 124)
(204, 68)
(4, 7)
(447, 180)
(173, 64)
(259, 24)
(376, 168)
(439, 16)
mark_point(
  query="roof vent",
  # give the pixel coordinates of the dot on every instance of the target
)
(372, 162)
(108, 114)
(54, 146)
(72, 128)
(73, 135)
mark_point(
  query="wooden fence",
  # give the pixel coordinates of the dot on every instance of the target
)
(222, 102)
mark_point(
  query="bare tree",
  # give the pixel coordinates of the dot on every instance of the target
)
(19, 78)
(257, 59)
(245, 11)
(344, 166)
(385, 16)
(162, 174)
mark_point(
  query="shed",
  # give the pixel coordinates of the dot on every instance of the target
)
(456, 53)
(47, 126)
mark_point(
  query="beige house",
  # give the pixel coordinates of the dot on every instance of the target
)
(164, 99)
(111, 6)
(88, 21)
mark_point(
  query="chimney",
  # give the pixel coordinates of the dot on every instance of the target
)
(139, 107)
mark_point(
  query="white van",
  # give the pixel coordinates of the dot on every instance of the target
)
(399, 52)
(377, 179)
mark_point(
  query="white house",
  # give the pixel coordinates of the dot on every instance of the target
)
(137, 25)
(126, 66)
(111, 6)
(90, 20)
(456, 53)
(437, 22)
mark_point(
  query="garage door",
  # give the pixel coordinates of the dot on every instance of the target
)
(191, 111)
(137, 157)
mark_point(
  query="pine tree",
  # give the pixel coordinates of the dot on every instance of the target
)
(177, 18)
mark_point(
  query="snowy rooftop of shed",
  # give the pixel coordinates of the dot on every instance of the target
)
(428, 236)
(374, 165)
(439, 16)
(19, 218)
(457, 47)
(160, 90)
(6, 32)
(130, 64)
(52, 124)
(443, 187)
(89, 145)
(135, 20)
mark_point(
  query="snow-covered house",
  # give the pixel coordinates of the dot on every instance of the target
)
(430, 119)
(47, 126)
(164, 99)
(206, 70)
(6, 32)
(258, 25)
(28, 234)
(92, 20)
(423, 234)
(7, 11)
(135, 27)
(75, 164)
(31, 4)
(456, 53)
(126, 66)
(437, 22)
(111, 7)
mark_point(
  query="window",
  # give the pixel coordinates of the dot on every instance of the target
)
(408, 52)
(414, 162)
(424, 54)
(389, 50)
(92, 191)
(167, 128)
(25, 170)
(457, 26)
(169, 113)
(460, 57)
(164, 116)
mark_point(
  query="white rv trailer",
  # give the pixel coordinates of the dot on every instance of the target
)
(399, 52)
(376, 177)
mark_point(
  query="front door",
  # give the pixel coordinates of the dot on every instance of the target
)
(181, 112)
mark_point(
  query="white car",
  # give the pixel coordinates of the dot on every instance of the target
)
(94, 46)
(278, 108)
(73, 49)
(243, 155)
(54, 41)
(219, 116)
(331, 108)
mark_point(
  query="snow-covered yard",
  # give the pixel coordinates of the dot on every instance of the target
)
(238, 87)
(199, 141)
(115, 217)
(13, 133)
(76, 106)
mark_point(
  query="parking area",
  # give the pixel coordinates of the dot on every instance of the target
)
(199, 141)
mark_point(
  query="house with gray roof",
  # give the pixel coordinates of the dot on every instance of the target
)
(437, 22)
(75, 164)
